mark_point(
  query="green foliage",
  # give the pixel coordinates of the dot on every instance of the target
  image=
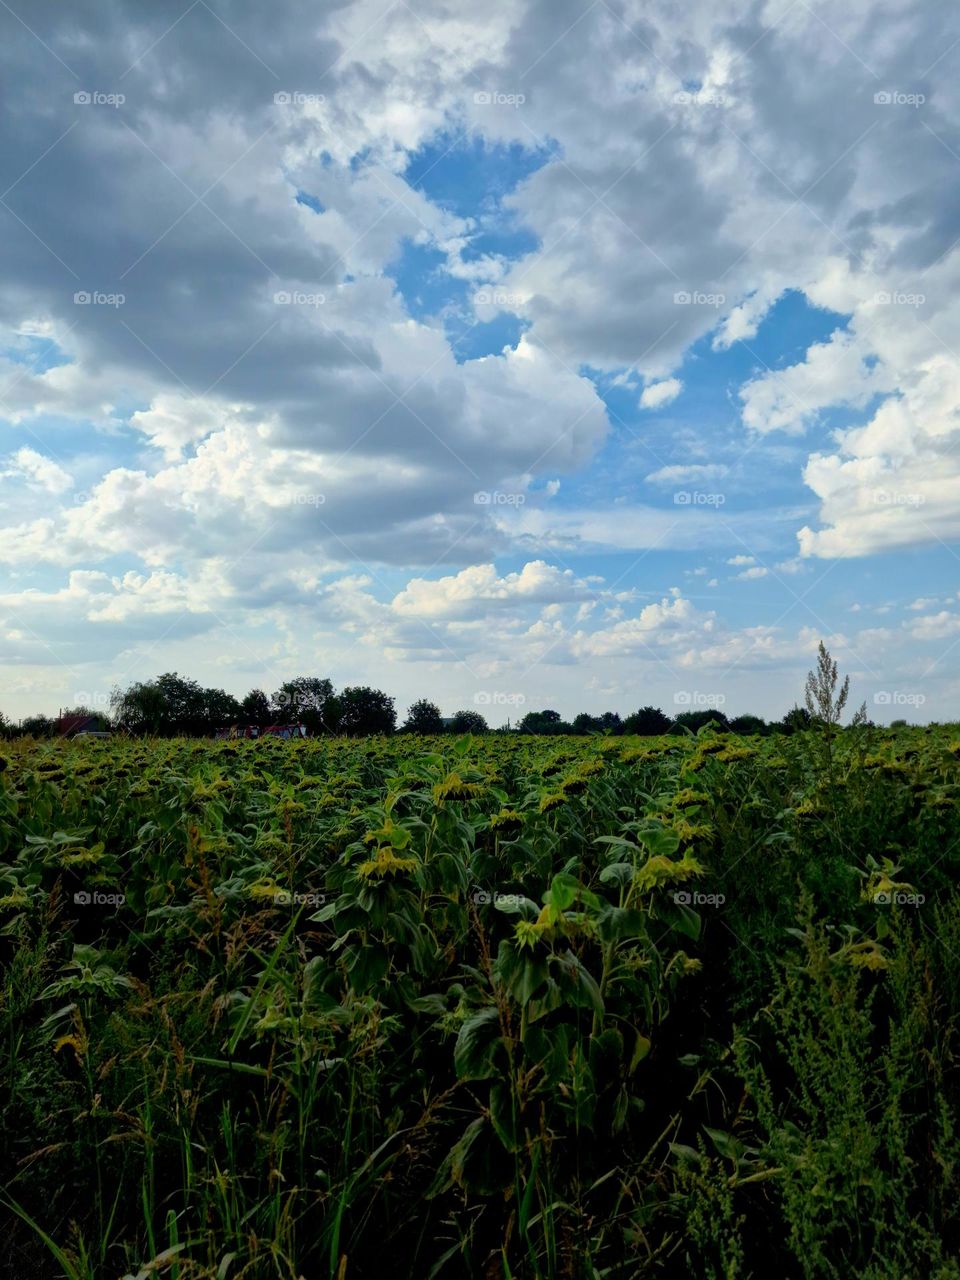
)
(511, 1005)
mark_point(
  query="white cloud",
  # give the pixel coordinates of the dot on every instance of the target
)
(658, 394)
(690, 473)
(42, 473)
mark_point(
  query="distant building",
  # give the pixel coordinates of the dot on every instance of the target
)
(254, 731)
(83, 726)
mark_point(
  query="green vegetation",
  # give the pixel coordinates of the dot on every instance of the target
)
(507, 1006)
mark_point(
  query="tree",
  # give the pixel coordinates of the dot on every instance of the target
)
(544, 722)
(610, 722)
(468, 722)
(423, 717)
(697, 720)
(361, 709)
(219, 709)
(795, 721)
(38, 727)
(748, 724)
(585, 723)
(255, 708)
(304, 700)
(183, 704)
(648, 722)
(140, 708)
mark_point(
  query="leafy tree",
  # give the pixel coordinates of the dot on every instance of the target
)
(697, 720)
(304, 700)
(544, 722)
(648, 722)
(38, 727)
(585, 723)
(361, 710)
(423, 717)
(219, 709)
(608, 722)
(255, 708)
(796, 720)
(140, 708)
(748, 724)
(468, 722)
(183, 704)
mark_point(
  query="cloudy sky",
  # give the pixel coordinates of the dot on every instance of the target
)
(586, 354)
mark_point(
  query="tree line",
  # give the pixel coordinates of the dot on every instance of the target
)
(172, 705)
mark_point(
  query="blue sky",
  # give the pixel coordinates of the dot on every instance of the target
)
(499, 357)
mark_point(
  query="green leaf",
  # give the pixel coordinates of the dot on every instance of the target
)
(476, 1046)
(681, 917)
(685, 1155)
(367, 965)
(577, 984)
(617, 923)
(641, 1049)
(620, 1109)
(563, 891)
(514, 904)
(726, 1143)
(659, 840)
(452, 1169)
(617, 873)
(502, 1117)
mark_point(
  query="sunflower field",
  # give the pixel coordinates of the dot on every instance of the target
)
(483, 1007)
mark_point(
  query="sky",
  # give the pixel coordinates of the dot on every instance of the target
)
(543, 353)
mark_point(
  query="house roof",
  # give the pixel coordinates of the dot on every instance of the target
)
(67, 726)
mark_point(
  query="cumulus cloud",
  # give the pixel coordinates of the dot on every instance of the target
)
(40, 472)
(658, 394)
(199, 298)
